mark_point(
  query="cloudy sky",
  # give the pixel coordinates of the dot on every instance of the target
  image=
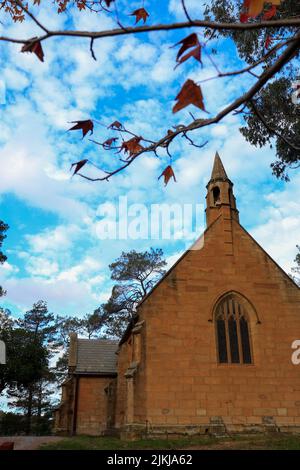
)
(53, 245)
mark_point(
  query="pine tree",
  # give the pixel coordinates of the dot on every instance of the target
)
(136, 274)
(32, 395)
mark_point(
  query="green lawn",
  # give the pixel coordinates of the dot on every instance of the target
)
(241, 442)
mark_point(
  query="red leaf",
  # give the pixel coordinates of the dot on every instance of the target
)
(36, 48)
(132, 146)
(167, 174)
(244, 17)
(115, 125)
(86, 126)
(196, 53)
(268, 42)
(78, 166)
(190, 93)
(270, 13)
(140, 14)
(253, 8)
(190, 41)
(108, 143)
(81, 6)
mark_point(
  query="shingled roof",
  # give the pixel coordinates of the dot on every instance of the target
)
(96, 356)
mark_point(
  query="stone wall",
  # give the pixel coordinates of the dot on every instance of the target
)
(183, 386)
(92, 411)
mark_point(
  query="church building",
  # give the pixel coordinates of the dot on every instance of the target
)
(209, 350)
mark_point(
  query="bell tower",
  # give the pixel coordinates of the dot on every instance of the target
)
(220, 198)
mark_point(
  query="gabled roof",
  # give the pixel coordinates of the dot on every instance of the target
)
(199, 242)
(130, 325)
(96, 357)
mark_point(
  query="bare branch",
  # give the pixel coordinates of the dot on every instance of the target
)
(28, 13)
(269, 73)
(217, 26)
(185, 11)
(249, 67)
(192, 142)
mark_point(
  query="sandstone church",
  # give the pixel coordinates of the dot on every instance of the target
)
(209, 350)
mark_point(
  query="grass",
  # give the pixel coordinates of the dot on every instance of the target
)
(238, 442)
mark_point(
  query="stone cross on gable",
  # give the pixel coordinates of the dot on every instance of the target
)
(2, 352)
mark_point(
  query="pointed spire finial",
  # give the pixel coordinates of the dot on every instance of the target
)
(218, 171)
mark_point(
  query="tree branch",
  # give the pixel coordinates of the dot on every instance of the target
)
(272, 129)
(269, 73)
(217, 26)
(28, 13)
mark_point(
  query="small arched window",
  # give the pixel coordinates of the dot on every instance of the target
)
(216, 194)
(232, 331)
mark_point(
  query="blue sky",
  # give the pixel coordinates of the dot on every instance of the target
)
(53, 249)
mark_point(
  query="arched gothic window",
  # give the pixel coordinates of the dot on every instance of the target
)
(232, 331)
(216, 194)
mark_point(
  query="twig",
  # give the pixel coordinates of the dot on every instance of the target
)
(186, 12)
(28, 13)
(92, 50)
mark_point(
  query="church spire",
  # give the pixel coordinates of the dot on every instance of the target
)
(218, 171)
(220, 197)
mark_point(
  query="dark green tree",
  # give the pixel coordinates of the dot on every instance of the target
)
(271, 117)
(41, 323)
(31, 394)
(92, 325)
(135, 273)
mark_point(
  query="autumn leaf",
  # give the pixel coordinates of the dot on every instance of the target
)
(190, 93)
(132, 146)
(108, 143)
(186, 43)
(268, 42)
(253, 8)
(85, 126)
(244, 17)
(81, 6)
(270, 13)
(78, 165)
(190, 41)
(36, 48)
(140, 14)
(167, 174)
(115, 125)
(196, 53)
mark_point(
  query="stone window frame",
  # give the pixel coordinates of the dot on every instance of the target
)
(250, 313)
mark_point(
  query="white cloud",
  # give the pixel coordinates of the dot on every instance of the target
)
(62, 296)
(56, 240)
(280, 233)
(7, 269)
(135, 82)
